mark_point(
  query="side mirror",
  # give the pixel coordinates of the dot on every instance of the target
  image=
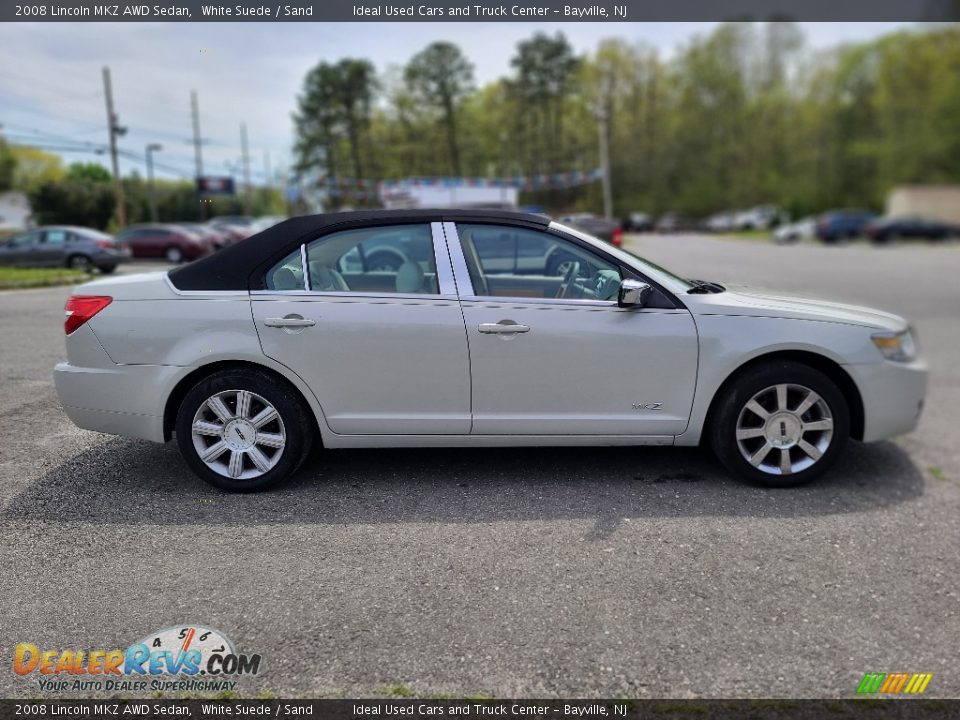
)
(633, 293)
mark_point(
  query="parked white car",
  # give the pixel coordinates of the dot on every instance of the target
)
(762, 217)
(796, 231)
(250, 356)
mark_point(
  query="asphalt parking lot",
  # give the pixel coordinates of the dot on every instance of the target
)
(534, 572)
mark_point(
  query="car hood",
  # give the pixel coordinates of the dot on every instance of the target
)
(760, 302)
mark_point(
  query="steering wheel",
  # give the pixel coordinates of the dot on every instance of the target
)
(568, 277)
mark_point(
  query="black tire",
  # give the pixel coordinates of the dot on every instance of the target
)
(297, 423)
(722, 433)
(80, 262)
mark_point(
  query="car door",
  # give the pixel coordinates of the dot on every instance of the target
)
(20, 249)
(384, 350)
(51, 248)
(572, 365)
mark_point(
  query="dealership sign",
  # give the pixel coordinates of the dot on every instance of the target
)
(215, 185)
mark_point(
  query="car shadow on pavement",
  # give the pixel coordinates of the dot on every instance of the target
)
(135, 482)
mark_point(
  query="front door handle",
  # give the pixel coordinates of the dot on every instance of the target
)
(504, 327)
(289, 321)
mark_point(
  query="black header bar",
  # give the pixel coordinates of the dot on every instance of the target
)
(477, 10)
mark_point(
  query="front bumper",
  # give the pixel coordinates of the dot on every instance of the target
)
(893, 394)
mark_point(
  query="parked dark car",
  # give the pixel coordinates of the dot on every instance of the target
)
(671, 222)
(218, 237)
(64, 246)
(239, 220)
(884, 230)
(601, 227)
(638, 222)
(170, 242)
(233, 232)
(839, 224)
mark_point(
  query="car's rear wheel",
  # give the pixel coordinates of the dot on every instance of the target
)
(780, 425)
(173, 254)
(80, 262)
(242, 431)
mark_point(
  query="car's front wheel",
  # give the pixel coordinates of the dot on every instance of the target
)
(243, 431)
(780, 425)
(173, 254)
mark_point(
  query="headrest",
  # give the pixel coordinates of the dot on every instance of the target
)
(409, 278)
(284, 279)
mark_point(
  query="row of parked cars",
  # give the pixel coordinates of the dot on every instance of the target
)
(839, 225)
(88, 249)
(829, 227)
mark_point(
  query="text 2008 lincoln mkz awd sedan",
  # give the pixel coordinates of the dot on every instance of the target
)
(473, 328)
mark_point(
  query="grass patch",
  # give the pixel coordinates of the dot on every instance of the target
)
(398, 691)
(746, 235)
(936, 473)
(12, 278)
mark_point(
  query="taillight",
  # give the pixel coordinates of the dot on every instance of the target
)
(81, 308)
(617, 237)
(105, 244)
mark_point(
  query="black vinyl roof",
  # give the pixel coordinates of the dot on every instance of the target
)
(234, 267)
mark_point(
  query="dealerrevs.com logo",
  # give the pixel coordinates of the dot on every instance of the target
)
(183, 658)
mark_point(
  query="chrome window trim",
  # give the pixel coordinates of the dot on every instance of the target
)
(510, 300)
(446, 282)
(461, 271)
(461, 275)
(349, 295)
(448, 290)
(304, 266)
(204, 293)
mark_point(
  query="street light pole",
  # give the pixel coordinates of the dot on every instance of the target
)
(151, 190)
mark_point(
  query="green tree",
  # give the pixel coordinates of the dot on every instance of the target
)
(34, 167)
(8, 164)
(334, 109)
(545, 71)
(88, 172)
(441, 77)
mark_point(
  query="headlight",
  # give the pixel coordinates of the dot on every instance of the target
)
(896, 346)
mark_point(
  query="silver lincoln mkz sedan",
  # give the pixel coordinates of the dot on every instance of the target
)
(473, 328)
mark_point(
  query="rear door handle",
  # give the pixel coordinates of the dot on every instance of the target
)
(504, 327)
(290, 321)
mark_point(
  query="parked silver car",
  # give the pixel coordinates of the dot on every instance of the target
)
(64, 246)
(252, 355)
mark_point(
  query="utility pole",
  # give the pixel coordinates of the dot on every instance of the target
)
(197, 153)
(246, 168)
(602, 118)
(114, 129)
(151, 190)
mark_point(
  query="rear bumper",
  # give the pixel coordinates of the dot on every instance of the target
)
(893, 395)
(123, 400)
(110, 258)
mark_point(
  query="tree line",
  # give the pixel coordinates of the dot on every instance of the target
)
(745, 115)
(84, 193)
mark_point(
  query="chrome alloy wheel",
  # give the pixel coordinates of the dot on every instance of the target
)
(784, 429)
(238, 434)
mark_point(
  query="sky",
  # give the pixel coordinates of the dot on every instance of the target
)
(51, 87)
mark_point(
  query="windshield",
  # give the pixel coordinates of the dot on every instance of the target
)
(651, 270)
